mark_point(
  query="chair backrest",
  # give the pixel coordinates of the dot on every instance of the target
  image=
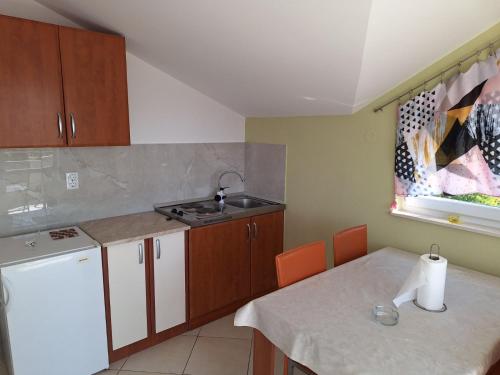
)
(349, 244)
(300, 263)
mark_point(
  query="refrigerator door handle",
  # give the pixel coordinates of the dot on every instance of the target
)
(6, 293)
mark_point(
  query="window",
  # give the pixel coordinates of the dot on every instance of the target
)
(447, 146)
(478, 213)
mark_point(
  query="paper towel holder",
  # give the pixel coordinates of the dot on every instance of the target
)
(434, 257)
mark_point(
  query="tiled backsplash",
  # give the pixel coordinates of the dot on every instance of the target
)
(114, 180)
(265, 171)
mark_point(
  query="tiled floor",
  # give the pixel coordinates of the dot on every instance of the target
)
(218, 348)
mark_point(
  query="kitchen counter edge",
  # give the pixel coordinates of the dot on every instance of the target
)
(128, 228)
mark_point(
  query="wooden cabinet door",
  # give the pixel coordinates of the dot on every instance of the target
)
(267, 242)
(169, 280)
(219, 266)
(31, 99)
(128, 303)
(95, 88)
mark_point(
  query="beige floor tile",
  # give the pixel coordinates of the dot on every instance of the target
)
(224, 327)
(108, 372)
(140, 373)
(118, 364)
(219, 356)
(168, 357)
(193, 332)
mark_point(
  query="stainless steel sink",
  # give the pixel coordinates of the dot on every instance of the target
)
(245, 202)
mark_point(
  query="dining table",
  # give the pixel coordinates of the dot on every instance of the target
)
(325, 322)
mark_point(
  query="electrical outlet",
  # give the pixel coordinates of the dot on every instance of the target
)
(72, 181)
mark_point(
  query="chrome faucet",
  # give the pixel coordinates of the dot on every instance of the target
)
(220, 196)
(229, 172)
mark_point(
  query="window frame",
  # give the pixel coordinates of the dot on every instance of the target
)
(472, 217)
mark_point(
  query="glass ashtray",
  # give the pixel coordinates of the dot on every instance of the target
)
(385, 315)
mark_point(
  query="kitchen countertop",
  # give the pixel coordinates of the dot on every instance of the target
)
(121, 229)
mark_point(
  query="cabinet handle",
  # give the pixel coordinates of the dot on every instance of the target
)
(73, 125)
(255, 230)
(158, 249)
(141, 253)
(249, 230)
(59, 124)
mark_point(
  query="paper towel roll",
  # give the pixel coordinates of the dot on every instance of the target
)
(425, 284)
(431, 294)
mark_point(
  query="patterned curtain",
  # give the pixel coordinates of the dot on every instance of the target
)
(448, 138)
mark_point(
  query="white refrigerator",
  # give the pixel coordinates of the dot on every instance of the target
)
(53, 305)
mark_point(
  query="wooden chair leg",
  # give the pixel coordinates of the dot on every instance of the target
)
(285, 367)
(263, 355)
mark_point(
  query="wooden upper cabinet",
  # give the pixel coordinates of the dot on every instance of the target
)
(267, 242)
(31, 97)
(95, 88)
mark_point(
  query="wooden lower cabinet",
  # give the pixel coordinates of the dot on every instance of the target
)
(145, 293)
(267, 242)
(231, 263)
(219, 266)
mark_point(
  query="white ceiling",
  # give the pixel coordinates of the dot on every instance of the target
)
(288, 57)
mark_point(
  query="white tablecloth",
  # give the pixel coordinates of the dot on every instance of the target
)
(325, 322)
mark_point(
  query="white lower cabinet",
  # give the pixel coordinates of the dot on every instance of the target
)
(127, 293)
(169, 280)
(132, 267)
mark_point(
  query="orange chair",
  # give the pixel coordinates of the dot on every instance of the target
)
(295, 265)
(300, 263)
(350, 244)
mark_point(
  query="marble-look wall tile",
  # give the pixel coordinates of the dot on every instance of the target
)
(113, 181)
(265, 170)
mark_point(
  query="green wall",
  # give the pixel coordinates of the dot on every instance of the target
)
(340, 174)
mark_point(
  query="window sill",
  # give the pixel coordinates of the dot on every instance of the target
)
(476, 228)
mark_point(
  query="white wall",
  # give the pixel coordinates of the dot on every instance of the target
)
(162, 109)
(32, 10)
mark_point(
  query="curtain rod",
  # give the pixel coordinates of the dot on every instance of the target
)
(441, 74)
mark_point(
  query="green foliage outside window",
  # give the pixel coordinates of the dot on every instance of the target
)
(476, 198)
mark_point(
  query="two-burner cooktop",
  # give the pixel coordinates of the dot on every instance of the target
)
(197, 213)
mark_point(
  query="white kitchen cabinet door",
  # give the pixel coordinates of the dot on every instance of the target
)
(169, 280)
(127, 293)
